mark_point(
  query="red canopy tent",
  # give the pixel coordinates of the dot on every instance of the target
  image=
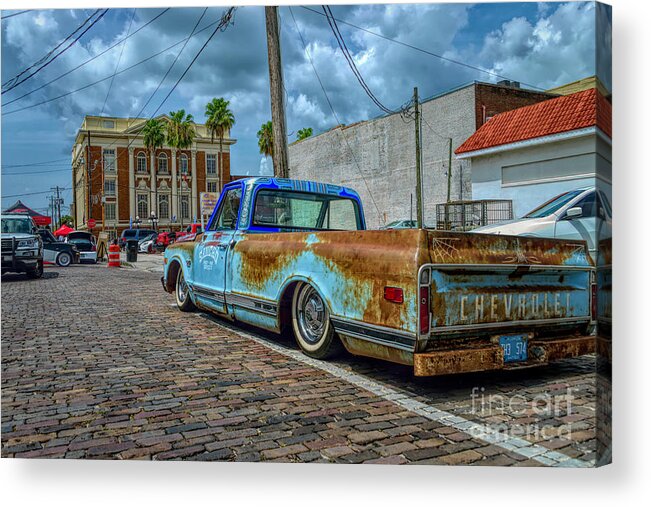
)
(19, 207)
(64, 230)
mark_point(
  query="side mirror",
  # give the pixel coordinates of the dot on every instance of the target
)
(573, 213)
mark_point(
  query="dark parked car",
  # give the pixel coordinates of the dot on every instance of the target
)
(136, 234)
(22, 248)
(86, 243)
(57, 252)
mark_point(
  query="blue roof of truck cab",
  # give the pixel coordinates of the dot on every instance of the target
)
(300, 186)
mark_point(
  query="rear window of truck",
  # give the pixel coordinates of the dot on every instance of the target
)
(297, 210)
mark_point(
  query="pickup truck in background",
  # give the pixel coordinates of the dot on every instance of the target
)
(190, 233)
(294, 255)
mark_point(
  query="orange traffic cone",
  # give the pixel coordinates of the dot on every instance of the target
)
(114, 256)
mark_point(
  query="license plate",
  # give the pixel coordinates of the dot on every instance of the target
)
(515, 347)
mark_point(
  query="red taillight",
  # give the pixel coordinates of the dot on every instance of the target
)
(594, 301)
(394, 294)
(424, 309)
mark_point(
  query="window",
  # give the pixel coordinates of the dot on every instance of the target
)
(228, 211)
(142, 162)
(295, 210)
(109, 187)
(108, 124)
(184, 164)
(162, 164)
(211, 186)
(109, 160)
(554, 205)
(142, 205)
(163, 207)
(587, 205)
(185, 207)
(109, 211)
(211, 163)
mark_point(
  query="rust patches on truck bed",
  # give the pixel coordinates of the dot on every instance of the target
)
(473, 248)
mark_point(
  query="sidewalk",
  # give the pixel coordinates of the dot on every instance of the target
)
(152, 263)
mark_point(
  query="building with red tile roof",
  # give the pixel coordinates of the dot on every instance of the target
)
(564, 114)
(533, 153)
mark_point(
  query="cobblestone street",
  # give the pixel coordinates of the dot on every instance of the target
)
(98, 363)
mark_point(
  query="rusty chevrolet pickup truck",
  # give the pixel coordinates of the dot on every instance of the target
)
(288, 255)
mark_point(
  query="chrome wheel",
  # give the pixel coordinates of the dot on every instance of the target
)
(311, 321)
(312, 315)
(64, 259)
(182, 293)
(181, 288)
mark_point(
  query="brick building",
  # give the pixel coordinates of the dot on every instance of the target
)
(377, 157)
(116, 181)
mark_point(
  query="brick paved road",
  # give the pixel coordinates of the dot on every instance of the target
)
(97, 363)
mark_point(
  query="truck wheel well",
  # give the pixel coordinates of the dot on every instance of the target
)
(172, 273)
(285, 308)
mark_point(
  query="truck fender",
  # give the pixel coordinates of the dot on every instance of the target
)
(285, 299)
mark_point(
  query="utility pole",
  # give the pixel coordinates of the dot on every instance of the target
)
(419, 189)
(450, 170)
(56, 209)
(278, 120)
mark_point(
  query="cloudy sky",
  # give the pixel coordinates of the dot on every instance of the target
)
(540, 44)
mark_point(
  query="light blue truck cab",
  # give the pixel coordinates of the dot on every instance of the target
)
(295, 256)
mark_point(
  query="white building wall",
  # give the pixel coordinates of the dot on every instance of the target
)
(565, 165)
(384, 150)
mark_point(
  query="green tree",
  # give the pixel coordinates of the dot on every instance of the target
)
(266, 139)
(153, 135)
(219, 120)
(67, 219)
(304, 133)
(180, 135)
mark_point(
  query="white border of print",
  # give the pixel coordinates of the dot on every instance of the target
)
(98, 483)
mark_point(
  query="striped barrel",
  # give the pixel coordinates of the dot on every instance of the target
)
(114, 256)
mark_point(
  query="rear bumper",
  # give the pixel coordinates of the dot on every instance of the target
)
(491, 357)
(87, 256)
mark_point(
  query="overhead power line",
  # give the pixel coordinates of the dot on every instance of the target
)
(30, 193)
(20, 173)
(70, 71)
(117, 65)
(14, 82)
(334, 113)
(45, 162)
(430, 53)
(160, 83)
(89, 85)
(7, 16)
(351, 62)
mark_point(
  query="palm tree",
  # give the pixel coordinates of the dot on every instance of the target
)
(153, 137)
(219, 120)
(180, 135)
(266, 139)
(304, 133)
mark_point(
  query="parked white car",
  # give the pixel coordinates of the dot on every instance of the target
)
(584, 213)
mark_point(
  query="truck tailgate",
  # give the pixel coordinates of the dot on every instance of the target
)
(480, 282)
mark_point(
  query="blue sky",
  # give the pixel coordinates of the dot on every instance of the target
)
(541, 44)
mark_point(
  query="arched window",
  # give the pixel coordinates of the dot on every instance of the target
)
(162, 164)
(142, 162)
(185, 207)
(184, 164)
(163, 206)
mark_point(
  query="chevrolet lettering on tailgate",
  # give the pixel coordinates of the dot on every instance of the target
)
(294, 257)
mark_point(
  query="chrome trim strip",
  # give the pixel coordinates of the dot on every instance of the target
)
(510, 323)
(507, 267)
(254, 304)
(377, 334)
(207, 293)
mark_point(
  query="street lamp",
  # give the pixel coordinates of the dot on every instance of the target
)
(154, 221)
(137, 222)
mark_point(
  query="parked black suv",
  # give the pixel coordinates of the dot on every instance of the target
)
(136, 234)
(22, 248)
